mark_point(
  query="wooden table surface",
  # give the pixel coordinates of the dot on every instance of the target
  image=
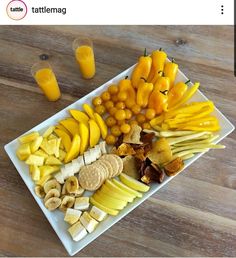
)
(194, 215)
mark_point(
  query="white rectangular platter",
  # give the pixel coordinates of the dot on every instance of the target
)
(56, 218)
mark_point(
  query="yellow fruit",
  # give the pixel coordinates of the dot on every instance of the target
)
(108, 201)
(113, 89)
(74, 150)
(114, 98)
(114, 188)
(48, 131)
(110, 139)
(94, 133)
(120, 105)
(112, 111)
(115, 130)
(35, 172)
(110, 121)
(78, 115)
(52, 136)
(43, 180)
(62, 128)
(108, 104)
(84, 137)
(136, 109)
(35, 160)
(120, 122)
(125, 128)
(120, 114)
(133, 183)
(122, 96)
(128, 103)
(128, 113)
(51, 160)
(41, 153)
(88, 110)
(146, 126)
(71, 125)
(48, 170)
(49, 146)
(150, 113)
(28, 137)
(126, 188)
(23, 151)
(102, 207)
(34, 146)
(65, 138)
(107, 191)
(133, 122)
(62, 155)
(105, 96)
(100, 109)
(140, 118)
(101, 124)
(97, 101)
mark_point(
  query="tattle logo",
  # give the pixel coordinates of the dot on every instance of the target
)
(16, 10)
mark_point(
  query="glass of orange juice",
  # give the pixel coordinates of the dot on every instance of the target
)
(46, 79)
(84, 55)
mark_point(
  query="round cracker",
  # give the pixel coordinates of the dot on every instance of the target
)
(120, 162)
(114, 163)
(90, 178)
(102, 169)
(108, 167)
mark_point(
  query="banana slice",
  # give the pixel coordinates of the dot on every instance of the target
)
(72, 184)
(63, 191)
(67, 202)
(52, 193)
(39, 191)
(78, 193)
(52, 184)
(102, 146)
(53, 203)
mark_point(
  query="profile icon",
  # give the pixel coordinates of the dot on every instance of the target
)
(16, 10)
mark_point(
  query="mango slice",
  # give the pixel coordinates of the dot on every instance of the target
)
(71, 125)
(78, 115)
(102, 125)
(49, 130)
(84, 135)
(74, 150)
(94, 133)
(65, 138)
(62, 128)
(88, 110)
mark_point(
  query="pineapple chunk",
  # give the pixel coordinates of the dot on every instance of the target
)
(57, 148)
(52, 136)
(23, 151)
(35, 172)
(41, 153)
(29, 137)
(51, 160)
(49, 146)
(48, 131)
(43, 180)
(62, 155)
(48, 170)
(35, 160)
(34, 146)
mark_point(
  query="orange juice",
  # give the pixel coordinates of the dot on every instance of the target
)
(85, 58)
(48, 83)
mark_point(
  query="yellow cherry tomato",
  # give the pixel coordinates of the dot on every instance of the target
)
(120, 105)
(121, 122)
(146, 125)
(136, 109)
(122, 96)
(125, 128)
(115, 130)
(114, 98)
(128, 113)
(128, 103)
(110, 139)
(113, 89)
(133, 122)
(100, 109)
(97, 101)
(105, 96)
(110, 121)
(150, 113)
(120, 114)
(108, 104)
(140, 118)
(112, 111)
